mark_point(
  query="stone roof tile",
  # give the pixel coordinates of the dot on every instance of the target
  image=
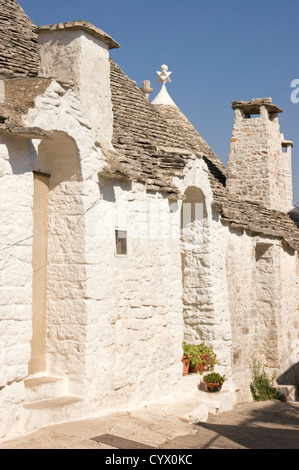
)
(258, 219)
(19, 40)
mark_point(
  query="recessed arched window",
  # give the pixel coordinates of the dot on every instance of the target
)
(193, 207)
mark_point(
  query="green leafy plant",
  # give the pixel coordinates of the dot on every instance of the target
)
(191, 351)
(214, 378)
(211, 359)
(200, 354)
(262, 386)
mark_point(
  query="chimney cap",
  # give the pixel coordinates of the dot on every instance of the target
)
(83, 25)
(287, 143)
(253, 106)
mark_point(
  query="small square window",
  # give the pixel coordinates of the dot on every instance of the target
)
(121, 242)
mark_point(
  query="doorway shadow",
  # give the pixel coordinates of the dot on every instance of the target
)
(290, 377)
(258, 426)
(262, 425)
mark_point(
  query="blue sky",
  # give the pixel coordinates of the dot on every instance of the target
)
(219, 51)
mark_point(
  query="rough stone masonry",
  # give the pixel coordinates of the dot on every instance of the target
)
(89, 322)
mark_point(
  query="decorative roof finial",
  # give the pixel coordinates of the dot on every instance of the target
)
(163, 97)
(164, 75)
(146, 88)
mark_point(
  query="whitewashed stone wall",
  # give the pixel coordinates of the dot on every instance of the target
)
(196, 268)
(73, 160)
(135, 302)
(288, 327)
(17, 157)
(222, 329)
(240, 285)
(264, 316)
(70, 157)
(130, 307)
(205, 295)
(135, 330)
(66, 286)
(196, 254)
(16, 187)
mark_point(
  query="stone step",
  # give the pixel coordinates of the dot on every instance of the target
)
(42, 413)
(290, 391)
(45, 387)
(198, 403)
(52, 403)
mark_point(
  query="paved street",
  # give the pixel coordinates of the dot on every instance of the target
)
(257, 425)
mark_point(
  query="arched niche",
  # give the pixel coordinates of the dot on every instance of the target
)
(193, 213)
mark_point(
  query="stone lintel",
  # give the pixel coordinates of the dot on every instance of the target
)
(80, 25)
(27, 132)
(254, 106)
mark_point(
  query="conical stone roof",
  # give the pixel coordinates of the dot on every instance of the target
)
(18, 42)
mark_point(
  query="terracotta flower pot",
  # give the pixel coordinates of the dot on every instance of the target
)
(185, 362)
(201, 366)
(213, 387)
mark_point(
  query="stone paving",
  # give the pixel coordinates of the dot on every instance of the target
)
(257, 425)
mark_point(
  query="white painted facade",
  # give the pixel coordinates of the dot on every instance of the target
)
(116, 323)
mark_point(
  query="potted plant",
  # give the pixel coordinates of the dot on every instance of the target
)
(197, 362)
(192, 354)
(185, 362)
(201, 357)
(214, 381)
(188, 351)
(210, 358)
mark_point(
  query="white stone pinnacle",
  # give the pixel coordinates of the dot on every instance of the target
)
(163, 97)
(164, 75)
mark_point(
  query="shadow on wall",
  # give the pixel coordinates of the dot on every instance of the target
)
(290, 377)
(60, 158)
(107, 188)
(22, 155)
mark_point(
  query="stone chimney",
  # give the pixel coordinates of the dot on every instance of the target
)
(77, 53)
(258, 168)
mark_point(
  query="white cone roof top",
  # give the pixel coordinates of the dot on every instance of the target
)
(163, 96)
